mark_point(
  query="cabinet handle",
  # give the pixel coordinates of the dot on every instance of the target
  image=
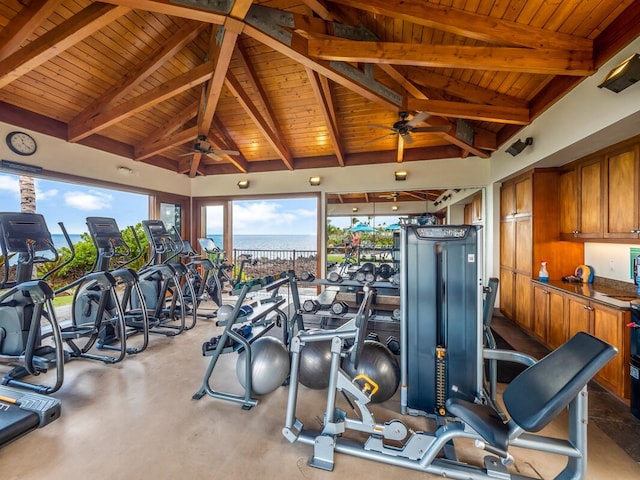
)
(587, 307)
(635, 231)
(546, 292)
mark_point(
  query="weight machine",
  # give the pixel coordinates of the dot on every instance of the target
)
(433, 387)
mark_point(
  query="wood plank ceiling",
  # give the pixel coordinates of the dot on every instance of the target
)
(291, 84)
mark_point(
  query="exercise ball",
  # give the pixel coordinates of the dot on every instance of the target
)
(378, 364)
(269, 365)
(315, 364)
(224, 313)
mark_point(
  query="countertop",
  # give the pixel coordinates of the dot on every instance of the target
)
(597, 292)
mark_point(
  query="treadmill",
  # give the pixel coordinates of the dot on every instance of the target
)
(22, 412)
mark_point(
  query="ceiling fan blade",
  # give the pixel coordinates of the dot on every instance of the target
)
(407, 139)
(213, 156)
(380, 138)
(436, 128)
(417, 119)
(224, 152)
(383, 127)
(185, 154)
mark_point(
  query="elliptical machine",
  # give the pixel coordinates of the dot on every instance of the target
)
(161, 281)
(111, 247)
(27, 302)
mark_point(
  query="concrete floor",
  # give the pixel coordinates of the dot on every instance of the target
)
(137, 420)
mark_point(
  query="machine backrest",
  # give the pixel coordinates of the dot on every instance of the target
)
(542, 391)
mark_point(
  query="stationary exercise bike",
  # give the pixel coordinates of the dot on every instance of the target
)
(27, 302)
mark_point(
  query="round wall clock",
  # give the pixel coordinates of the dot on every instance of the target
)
(21, 143)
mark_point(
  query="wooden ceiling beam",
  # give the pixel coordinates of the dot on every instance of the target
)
(320, 9)
(326, 107)
(57, 40)
(471, 111)
(169, 141)
(169, 127)
(297, 51)
(403, 81)
(236, 89)
(507, 59)
(254, 82)
(24, 24)
(470, 25)
(227, 143)
(221, 51)
(189, 31)
(169, 89)
(169, 7)
(463, 90)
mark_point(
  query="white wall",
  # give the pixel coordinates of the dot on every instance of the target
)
(610, 260)
(57, 155)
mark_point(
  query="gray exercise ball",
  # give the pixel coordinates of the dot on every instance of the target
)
(315, 364)
(378, 364)
(269, 365)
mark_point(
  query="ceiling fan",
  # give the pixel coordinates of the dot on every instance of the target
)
(391, 196)
(203, 146)
(405, 126)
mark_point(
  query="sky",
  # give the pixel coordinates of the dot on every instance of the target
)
(291, 216)
(72, 203)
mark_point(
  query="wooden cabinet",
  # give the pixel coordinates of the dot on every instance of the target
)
(548, 323)
(516, 197)
(578, 315)
(581, 200)
(507, 292)
(473, 210)
(622, 213)
(529, 234)
(522, 300)
(609, 324)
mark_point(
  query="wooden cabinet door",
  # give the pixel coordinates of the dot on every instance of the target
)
(568, 203)
(590, 210)
(522, 301)
(622, 195)
(507, 243)
(507, 200)
(523, 245)
(540, 318)
(524, 196)
(609, 325)
(476, 208)
(578, 315)
(506, 292)
(557, 331)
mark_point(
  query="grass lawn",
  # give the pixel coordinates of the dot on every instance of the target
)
(61, 300)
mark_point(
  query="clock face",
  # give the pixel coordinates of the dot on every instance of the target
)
(21, 143)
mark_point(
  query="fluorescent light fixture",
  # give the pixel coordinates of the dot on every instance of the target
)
(314, 181)
(623, 76)
(401, 176)
(243, 184)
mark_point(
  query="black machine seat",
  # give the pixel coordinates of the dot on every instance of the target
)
(536, 396)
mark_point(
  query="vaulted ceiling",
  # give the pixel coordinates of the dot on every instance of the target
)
(206, 87)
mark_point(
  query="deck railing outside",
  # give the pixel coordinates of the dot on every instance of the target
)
(269, 262)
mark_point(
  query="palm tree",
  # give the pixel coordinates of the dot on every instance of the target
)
(27, 194)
